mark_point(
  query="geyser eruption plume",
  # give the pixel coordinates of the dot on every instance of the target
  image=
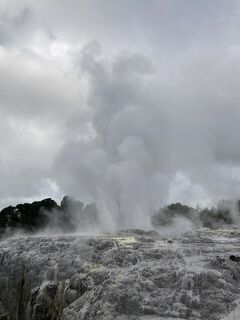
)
(139, 148)
(123, 165)
(119, 164)
(108, 211)
(113, 218)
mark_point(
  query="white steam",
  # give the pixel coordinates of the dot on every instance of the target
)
(147, 143)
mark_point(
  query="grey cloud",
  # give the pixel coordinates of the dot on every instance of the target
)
(30, 85)
(163, 25)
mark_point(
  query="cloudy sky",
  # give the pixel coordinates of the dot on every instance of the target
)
(131, 103)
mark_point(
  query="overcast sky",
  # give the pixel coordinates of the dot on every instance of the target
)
(133, 103)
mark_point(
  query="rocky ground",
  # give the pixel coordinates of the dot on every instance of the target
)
(129, 275)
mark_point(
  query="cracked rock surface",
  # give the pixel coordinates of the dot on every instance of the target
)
(129, 275)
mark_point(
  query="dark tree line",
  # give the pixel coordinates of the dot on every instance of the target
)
(214, 217)
(32, 217)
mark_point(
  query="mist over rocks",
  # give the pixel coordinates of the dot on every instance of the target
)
(71, 216)
(131, 274)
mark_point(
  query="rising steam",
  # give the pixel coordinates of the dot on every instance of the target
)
(147, 142)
